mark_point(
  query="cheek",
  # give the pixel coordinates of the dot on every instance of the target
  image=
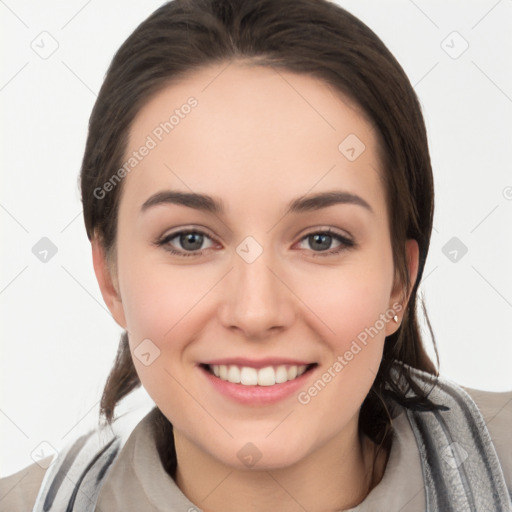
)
(159, 298)
(351, 307)
(350, 302)
(161, 307)
(354, 335)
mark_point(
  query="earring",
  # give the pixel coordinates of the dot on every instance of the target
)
(395, 318)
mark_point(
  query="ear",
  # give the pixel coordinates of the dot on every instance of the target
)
(107, 281)
(412, 255)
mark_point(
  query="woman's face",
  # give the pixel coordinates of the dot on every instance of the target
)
(254, 290)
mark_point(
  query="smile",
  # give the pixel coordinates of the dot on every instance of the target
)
(249, 376)
(257, 382)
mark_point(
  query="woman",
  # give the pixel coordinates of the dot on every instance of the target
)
(282, 349)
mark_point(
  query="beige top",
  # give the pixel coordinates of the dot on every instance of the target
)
(138, 482)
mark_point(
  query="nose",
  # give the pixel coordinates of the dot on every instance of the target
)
(257, 300)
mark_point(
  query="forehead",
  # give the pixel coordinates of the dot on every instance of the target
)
(231, 127)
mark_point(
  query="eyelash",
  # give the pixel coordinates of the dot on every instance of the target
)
(346, 243)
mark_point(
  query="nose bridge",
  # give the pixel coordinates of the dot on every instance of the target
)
(257, 300)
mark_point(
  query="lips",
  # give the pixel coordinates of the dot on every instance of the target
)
(259, 386)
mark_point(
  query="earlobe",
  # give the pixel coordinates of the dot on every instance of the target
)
(106, 281)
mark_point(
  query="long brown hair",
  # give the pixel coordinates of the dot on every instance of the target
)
(313, 37)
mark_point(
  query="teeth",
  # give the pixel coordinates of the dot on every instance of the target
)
(248, 376)
(292, 372)
(268, 376)
(233, 374)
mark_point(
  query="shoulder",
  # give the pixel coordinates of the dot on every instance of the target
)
(85, 461)
(496, 409)
(468, 424)
(18, 491)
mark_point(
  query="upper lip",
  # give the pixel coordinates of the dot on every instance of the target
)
(257, 363)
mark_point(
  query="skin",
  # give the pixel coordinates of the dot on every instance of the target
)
(257, 140)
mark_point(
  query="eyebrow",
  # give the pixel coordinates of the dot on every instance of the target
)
(216, 206)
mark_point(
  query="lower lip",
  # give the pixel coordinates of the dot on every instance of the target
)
(264, 395)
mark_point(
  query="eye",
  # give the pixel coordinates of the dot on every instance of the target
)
(319, 240)
(191, 241)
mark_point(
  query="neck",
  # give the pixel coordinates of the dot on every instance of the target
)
(337, 476)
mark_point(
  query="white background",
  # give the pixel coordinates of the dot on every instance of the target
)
(58, 340)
